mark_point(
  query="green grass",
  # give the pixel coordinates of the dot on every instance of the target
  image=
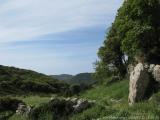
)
(35, 100)
(112, 103)
(117, 91)
(45, 116)
(18, 117)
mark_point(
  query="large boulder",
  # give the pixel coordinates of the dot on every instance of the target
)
(82, 105)
(139, 80)
(130, 69)
(23, 109)
(156, 73)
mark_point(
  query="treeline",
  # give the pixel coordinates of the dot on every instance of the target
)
(20, 81)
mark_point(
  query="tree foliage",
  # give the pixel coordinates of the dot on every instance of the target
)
(134, 33)
(141, 28)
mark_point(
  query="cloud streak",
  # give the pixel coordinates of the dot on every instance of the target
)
(54, 36)
(25, 19)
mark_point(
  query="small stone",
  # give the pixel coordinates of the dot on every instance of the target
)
(151, 68)
(81, 105)
(23, 109)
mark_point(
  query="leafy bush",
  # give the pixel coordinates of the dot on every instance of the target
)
(9, 104)
(59, 108)
(20, 81)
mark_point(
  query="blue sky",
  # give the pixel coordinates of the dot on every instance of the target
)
(54, 36)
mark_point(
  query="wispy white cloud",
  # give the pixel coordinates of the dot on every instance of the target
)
(78, 25)
(69, 58)
(25, 19)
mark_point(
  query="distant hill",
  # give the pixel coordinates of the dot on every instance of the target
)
(19, 81)
(63, 77)
(82, 78)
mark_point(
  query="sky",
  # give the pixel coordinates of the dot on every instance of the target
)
(54, 36)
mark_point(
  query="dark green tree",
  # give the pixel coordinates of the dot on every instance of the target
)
(139, 29)
(135, 33)
(110, 54)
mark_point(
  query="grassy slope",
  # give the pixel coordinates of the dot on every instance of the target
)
(107, 108)
(25, 84)
(19, 81)
(111, 103)
(15, 74)
(33, 101)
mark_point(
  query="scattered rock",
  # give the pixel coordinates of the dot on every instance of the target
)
(68, 99)
(151, 68)
(115, 101)
(60, 107)
(139, 80)
(92, 101)
(77, 104)
(52, 98)
(74, 100)
(23, 109)
(130, 69)
(156, 73)
(81, 105)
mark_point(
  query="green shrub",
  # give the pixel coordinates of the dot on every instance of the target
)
(58, 108)
(9, 104)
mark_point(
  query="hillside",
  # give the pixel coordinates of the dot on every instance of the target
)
(63, 77)
(82, 78)
(112, 103)
(18, 81)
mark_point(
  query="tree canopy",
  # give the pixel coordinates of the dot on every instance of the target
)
(135, 33)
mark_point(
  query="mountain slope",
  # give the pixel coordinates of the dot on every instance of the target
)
(82, 78)
(18, 81)
(63, 77)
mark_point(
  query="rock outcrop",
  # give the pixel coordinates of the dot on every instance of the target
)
(156, 73)
(59, 106)
(23, 109)
(79, 105)
(139, 79)
(144, 80)
(130, 69)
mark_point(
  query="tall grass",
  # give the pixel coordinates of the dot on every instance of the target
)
(36, 100)
(112, 103)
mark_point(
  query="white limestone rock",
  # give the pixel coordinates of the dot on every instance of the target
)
(156, 73)
(139, 80)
